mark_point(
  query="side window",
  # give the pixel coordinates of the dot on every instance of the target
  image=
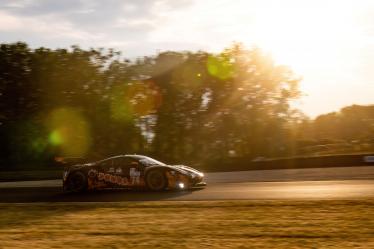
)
(118, 166)
(129, 161)
(118, 162)
(130, 164)
(106, 163)
(107, 166)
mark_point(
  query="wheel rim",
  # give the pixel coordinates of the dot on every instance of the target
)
(156, 180)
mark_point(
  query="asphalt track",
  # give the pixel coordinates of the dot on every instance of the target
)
(320, 183)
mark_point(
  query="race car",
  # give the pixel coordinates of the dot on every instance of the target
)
(130, 172)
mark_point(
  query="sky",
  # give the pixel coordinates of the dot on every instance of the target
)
(329, 43)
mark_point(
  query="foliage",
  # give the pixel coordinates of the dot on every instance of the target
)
(177, 106)
(347, 131)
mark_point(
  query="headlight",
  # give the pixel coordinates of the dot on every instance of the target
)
(181, 185)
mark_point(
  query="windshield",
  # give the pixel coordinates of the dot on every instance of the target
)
(150, 161)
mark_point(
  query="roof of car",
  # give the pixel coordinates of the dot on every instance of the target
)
(128, 155)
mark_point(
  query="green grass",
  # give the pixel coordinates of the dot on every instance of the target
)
(213, 224)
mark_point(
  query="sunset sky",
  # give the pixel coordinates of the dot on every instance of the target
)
(330, 43)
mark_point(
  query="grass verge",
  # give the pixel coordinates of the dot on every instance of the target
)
(210, 224)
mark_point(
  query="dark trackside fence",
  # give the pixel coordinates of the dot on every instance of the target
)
(232, 164)
(243, 164)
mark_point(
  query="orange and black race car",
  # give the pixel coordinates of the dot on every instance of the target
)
(130, 172)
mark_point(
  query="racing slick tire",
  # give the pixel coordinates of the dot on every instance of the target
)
(77, 182)
(156, 180)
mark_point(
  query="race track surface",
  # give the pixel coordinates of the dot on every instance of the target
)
(328, 183)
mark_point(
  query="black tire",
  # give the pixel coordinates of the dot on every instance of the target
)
(77, 182)
(156, 180)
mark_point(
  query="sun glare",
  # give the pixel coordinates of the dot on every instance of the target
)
(304, 36)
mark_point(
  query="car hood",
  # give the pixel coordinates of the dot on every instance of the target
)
(184, 168)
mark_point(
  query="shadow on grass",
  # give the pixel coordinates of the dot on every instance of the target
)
(26, 195)
(119, 196)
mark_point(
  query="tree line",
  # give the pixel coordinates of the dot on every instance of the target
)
(180, 107)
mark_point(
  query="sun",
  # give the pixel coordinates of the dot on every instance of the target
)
(304, 36)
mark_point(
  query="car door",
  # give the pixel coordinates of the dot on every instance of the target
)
(100, 174)
(118, 172)
(105, 168)
(110, 173)
(112, 166)
(117, 166)
(134, 171)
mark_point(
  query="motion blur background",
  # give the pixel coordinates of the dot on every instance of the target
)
(184, 81)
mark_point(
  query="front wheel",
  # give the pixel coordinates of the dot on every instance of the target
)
(77, 182)
(156, 180)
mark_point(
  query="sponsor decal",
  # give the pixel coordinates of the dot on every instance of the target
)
(92, 173)
(113, 179)
(135, 176)
(107, 177)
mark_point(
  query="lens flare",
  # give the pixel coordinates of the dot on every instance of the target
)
(55, 138)
(69, 131)
(220, 67)
(39, 145)
(29, 137)
(135, 99)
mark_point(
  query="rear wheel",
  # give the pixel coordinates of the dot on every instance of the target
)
(156, 180)
(77, 182)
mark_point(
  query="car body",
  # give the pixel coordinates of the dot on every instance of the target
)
(130, 172)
